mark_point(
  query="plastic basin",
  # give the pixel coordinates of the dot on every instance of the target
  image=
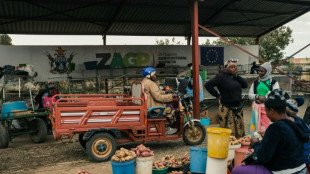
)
(160, 171)
(9, 107)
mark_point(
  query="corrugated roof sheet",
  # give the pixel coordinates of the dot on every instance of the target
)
(250, 18)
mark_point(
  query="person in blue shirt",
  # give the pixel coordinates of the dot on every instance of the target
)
(189, 88)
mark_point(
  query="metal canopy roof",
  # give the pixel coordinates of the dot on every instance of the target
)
(248, 18)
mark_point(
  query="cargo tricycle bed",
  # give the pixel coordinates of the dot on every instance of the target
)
(103, 121)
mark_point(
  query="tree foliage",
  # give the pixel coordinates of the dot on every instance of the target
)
(5, 39)
(168, 42)
(271, 44)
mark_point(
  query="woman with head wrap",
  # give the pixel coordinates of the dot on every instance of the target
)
(229, 84)
(259, 89)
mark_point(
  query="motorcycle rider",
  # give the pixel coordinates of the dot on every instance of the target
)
(157, 97)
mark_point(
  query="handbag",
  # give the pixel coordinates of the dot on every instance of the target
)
(251, 160)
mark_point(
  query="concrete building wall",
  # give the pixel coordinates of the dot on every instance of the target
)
(131, 56)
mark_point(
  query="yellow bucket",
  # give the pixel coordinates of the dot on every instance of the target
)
(218, 142)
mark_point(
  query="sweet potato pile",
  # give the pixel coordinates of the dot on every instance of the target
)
(171, 161)
(123, 155)
(234, 141)
(159, 165)
(176, 172)
(185, 159)
(83, 172)
(142, 151)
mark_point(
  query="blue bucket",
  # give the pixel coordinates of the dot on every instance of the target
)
(205, 121)
(126, 167)
(198, 161)
(9, 107)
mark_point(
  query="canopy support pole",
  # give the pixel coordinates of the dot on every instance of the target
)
(195, 57)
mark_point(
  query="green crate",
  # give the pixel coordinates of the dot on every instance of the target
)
(202, 73)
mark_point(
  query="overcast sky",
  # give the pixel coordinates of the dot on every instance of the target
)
(300, 27)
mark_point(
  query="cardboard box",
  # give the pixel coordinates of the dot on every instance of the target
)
(214, 118)
(204, 114)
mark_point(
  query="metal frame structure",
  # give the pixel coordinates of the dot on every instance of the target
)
(245, 18)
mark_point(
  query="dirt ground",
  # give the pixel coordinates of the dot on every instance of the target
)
(53, 157)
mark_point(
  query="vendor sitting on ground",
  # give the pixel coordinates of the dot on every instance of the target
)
(282, 147)
(157, 97)
(48, 100)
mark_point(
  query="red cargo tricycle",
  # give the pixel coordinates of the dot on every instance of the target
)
(104, 121)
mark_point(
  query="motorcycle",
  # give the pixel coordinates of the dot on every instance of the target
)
(193, 129)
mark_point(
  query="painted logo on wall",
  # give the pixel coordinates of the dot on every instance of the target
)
(59, 63)
(131, 59)
(136, 59)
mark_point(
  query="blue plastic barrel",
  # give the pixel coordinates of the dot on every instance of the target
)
(9, 107)
(126, 167)
(198, 161)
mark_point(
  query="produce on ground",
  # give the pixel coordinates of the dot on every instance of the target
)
(123, 155)
(234, 141)
(142, 151)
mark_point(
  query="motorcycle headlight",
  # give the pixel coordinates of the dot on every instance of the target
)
(182, 108)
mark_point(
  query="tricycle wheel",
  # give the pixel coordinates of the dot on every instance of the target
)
(82, 142)
(101, 146)
(195, 135)
(4, 137)
(38, 127)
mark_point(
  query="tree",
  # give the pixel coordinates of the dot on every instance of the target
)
(5, 39)
(271, 45)
(167, 42)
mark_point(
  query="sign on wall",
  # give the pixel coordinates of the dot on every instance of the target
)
(59, 63)
(212, 55)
